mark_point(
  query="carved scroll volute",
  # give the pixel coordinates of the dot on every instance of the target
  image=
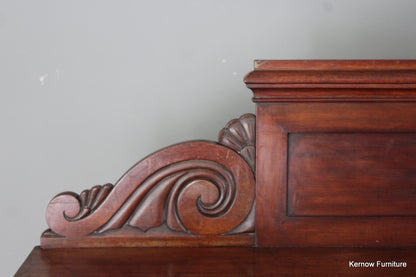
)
(186, 204)
(199, 187)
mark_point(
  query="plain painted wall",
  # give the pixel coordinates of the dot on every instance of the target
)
(87, 88)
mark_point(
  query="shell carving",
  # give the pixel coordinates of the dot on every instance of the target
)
(240, 135)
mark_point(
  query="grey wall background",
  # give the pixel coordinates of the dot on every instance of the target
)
(87, 88)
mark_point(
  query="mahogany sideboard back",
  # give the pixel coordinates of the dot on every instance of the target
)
(329, 159)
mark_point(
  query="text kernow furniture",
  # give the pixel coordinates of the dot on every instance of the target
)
(329, 159)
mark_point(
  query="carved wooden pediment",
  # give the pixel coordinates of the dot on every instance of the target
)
(191, 193)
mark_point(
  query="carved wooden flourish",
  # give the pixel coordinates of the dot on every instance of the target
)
(89, 200)
(199, 188)
(240, 135)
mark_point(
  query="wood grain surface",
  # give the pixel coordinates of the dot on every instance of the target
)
(228, 261)
(353, 174)
(199, 190)
(329, 161)
(334, 64)
(335, 152)
(333, 80)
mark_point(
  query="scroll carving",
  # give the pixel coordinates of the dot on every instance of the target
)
(197, 188)
(90, 200)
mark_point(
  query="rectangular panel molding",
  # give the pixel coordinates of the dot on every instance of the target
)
(352, 174)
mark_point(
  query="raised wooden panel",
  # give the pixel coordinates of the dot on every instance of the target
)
(341, 174)
(321, 223)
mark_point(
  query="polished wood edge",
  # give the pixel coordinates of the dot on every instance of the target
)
(199, 189)
(329, 94)
(148, 241)
(350, 93)
(333, 80)
(332, 99)
(334, 64)
(218, 261)
(326, 77)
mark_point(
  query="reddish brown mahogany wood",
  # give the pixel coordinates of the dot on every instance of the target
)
(323, 174)
(225, 261)
(276, 122)
(333, 149)
(193, 193)
(338, 174)
(333, 80)
(334, 65)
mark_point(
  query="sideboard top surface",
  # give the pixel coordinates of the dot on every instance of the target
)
(334, 64)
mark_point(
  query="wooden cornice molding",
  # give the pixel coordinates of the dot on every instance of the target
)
(189, 194)
(333, 81)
